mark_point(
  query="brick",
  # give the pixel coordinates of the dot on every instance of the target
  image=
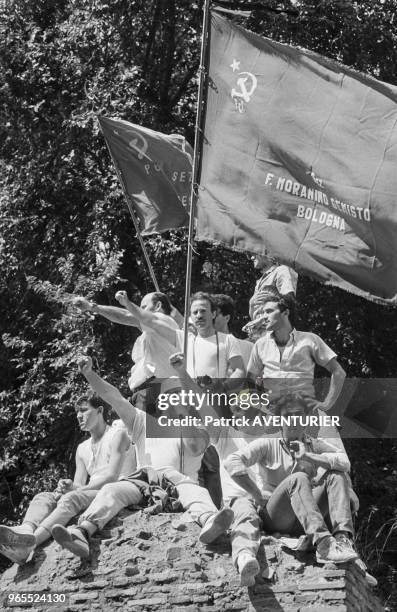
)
(121, 582)
(179, 600)
(98, 584)
(201, 598)
(153, 601)
(137, 579)
(80, 597)
(328, 595)
(334, 573)
(319, 608)
(173, 552)
(164, 578)
(306, 598)
(189, 566)
(321, 584)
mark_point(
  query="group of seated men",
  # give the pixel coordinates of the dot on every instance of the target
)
(292, 481)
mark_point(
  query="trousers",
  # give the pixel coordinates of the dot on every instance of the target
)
(295, 507)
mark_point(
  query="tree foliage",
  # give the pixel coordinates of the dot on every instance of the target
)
(65, 229)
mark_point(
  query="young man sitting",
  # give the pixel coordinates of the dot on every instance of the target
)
(305, 484)
(101, 459)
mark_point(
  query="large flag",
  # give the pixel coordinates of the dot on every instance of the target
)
(300, 160)
(156, 170)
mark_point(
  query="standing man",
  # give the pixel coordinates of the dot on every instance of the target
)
(167, 455)
(101, 459)
(224, 313)
(210, 353)
(305, 488)
(281, 279)
(149, 353)
(285, 358)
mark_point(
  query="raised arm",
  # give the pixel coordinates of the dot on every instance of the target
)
(112, 313)
(146, 318)
(108, 393)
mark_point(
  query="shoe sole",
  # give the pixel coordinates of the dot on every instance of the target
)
(9, 537)
(63, 537)
(14, 558)
(352, 557)
(221, 524)
(250, 570)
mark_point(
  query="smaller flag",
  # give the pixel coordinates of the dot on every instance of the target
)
(156, 170)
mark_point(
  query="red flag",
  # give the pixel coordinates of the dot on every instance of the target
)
(299, 159)
(156, 170)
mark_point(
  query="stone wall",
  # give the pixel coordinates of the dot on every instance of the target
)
(156, 563)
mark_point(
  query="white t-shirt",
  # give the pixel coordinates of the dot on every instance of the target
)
(162, 453)
(209, 356)
(245, 347)
(96, 456)
(151, 354)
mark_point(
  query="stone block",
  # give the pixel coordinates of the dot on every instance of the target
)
(82, 597)
(173, 553)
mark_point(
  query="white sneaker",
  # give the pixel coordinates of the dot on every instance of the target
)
(331, 551)
(17, 554)
(218, 523)
(248, 568)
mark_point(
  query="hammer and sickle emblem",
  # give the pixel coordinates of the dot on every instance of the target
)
(245, 92)
(139, 144)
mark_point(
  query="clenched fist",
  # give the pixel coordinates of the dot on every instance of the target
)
(84, 364)
(121, 297)
(82, 304)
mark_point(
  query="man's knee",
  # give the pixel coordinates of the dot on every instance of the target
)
(298, 480)
(70, 500)
(44, 497)
(335, 476)
(108, 491)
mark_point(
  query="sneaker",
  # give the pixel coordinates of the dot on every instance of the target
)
(17, 554)
(331, 551)
(16, 537)
(218, 523)
(248, 568)
(72, 539)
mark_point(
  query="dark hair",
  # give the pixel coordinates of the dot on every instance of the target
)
(157, 296)
(200, 295)
(285, 302)
(291, 399)
(225, 304)
(96, 402)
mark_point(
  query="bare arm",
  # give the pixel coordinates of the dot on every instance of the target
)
(80, 475)
(338, 376)
(108, 393)
(147, 318)
(112, 313)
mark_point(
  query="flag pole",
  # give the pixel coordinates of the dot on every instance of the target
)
(196, 166)
(135, 221)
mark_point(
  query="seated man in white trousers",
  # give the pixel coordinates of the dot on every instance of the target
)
(101, 459)
(168, 456)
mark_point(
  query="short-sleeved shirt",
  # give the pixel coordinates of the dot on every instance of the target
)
(275, 463)
(209, 356)
(281, 278)
(294, 371)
